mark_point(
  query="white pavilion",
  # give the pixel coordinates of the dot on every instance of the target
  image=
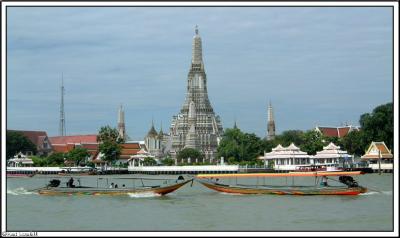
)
(137, 160)
(286, 158)
(332, 156)
(20, 160)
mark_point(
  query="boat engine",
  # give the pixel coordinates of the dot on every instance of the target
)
(349, 181)
(54, 183)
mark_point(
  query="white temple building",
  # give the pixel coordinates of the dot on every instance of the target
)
(196, 126)
(20, 160)
(331, 155)
(292, 158)
(137, 160)
(286, 158)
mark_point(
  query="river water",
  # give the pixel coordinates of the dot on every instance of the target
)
(196, 208)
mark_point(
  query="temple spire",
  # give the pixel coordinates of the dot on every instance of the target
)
(271, 123)
(197, 55)
(121, 123)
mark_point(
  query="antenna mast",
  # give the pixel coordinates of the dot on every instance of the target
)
(62, 130)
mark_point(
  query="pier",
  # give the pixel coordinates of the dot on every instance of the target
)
(195, 169)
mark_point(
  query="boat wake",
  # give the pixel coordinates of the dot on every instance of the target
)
(376, 192)
(143, 195)
(19, 191)
(232, 194)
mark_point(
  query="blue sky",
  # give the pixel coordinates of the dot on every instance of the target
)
(317, 65)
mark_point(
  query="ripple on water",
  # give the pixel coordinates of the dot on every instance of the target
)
(19, 191)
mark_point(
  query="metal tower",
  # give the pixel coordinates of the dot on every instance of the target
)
(62, 131)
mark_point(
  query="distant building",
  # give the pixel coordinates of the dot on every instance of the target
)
(286, 158)
(336, 131)
(154, 142)
(332, 155)
(271, 124)
(39, 139)
(196, 126)
(121, 124)
(378, 152)
(129, 149)
(20, 160)
(64, 144)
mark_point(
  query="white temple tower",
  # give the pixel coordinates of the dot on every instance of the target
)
(271, 124)
(196, 126)
(121, 124)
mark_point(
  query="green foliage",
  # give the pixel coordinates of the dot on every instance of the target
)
(78, 155)
(16, 142)
(91, 164)
(110, 143)
(378, 125)
(290, 136)
(313, 142)
(55, 159)
(39, 161)
(354, 143)
(168, 161)
(148, 161)
(240, 147)
(189, 153)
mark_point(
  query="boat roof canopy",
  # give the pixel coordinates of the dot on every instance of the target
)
(291, 174)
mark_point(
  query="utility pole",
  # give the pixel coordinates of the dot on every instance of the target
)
(379, 161)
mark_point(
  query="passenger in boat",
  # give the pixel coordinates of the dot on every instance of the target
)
(116, 186)
(123, 185)
(324, 181)
(112, 185)
(70, 183)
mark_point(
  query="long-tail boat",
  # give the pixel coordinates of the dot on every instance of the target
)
(347, 185)
(168, 186)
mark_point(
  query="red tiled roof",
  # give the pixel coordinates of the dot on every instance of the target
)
(63, 148)
(334, 131)
(343, 131)
(36, 137)
(91, 146)
(81, 139)
(331, 132)
(131, 146)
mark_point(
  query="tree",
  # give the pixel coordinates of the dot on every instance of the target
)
(110, 143)
(16, 142)
(290, 136)
(168, 161)
(149, 161)
(78, 154)
(313, 142)
(239, 147)
(55, 159)
(39, 161)
(378, 125)
(193, 154)
(354, 143)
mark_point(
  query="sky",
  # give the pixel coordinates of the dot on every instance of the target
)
(321, 66)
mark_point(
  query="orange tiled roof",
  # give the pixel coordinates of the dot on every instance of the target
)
(81, 139)
(131, 146)
(374, 154)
